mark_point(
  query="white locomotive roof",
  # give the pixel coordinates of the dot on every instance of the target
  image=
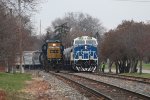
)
(85, 38)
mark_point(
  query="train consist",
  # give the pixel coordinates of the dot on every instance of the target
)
(81, 56)
(30, 59)
(52, 55)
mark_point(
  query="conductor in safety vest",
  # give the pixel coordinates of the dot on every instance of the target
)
(103, 67)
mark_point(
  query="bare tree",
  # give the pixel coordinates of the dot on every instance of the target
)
(126, 45)
(80, 24)
(9, 32)
(7, 41)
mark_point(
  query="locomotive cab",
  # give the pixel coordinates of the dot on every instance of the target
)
(85, 54)
(54, 50)
(52, 55)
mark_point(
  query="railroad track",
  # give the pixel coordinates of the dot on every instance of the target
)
(91, 92)
(101, 89)
(130, 78)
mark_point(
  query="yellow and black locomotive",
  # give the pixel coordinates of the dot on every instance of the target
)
(52, 55)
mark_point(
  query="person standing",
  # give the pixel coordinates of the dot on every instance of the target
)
(103, 67)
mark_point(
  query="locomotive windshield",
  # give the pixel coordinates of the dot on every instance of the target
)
(93, 42)
(79, 42)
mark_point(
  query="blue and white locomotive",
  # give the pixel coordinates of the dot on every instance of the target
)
(83, 54)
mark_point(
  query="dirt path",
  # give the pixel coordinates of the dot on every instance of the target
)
(37, 89)
(2, 95)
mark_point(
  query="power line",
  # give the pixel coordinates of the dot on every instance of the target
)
(134, 0)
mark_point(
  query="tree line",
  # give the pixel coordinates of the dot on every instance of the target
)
(78, 24)
(9, 29)
(126, 46)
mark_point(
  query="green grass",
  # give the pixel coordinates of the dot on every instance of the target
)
(146, 66)
(13, 82)
(143, 75)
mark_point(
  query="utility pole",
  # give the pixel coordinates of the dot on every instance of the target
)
(12, 67)
(20, 36)
(40, 27)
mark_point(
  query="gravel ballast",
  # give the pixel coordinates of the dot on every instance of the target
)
(60, 90)
(126, 84)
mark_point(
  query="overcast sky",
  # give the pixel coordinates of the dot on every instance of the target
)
(109, 12)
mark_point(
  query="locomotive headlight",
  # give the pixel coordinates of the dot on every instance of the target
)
(80, 57)
(85, 47)
(54, 44)
(91, 57)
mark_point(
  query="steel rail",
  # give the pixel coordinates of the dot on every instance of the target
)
(130, 78)
(91, 90)
(146, 97)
